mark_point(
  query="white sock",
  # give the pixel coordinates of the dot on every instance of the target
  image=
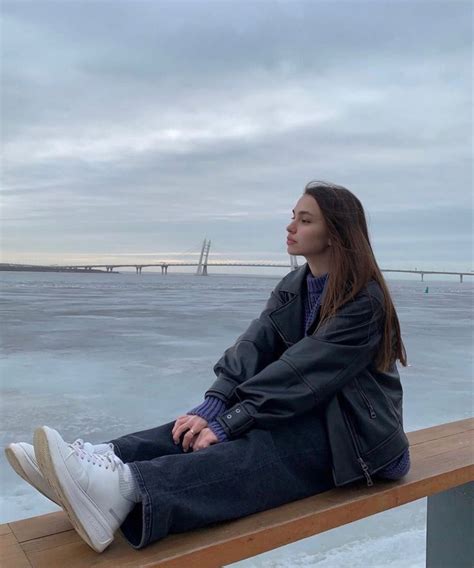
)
(128, 484)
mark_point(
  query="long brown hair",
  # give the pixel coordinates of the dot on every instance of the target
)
(353, 264)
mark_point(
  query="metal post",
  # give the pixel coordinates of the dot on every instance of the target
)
(449, 528)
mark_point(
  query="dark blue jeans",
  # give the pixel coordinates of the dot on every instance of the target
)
(260, 470)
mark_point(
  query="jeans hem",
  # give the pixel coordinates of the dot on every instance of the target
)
(117, 451)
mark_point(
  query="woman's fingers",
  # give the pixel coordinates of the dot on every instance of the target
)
(204, 440)
(184, 425)
(182, 428)
(178, 428)
(179, 421)
(188, 437)
(198, 442)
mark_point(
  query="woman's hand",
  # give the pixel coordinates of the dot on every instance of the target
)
(205, 439)
(192, 425)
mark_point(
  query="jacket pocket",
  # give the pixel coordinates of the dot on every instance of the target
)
(365, 399)
(372, 415)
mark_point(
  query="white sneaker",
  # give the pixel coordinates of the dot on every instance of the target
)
(87, 485)
(21, 457)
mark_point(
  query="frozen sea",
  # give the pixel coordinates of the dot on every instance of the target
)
(100, 355)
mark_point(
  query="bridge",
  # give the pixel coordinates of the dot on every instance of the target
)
(202, 266)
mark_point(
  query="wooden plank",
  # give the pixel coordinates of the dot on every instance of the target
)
(37, 527)
(73, 555)
(333, 508)
(441, 445)
(51, 541)
(5, 529)
(11, 554)
(7, 540)
(442, 458)
(270, 529)
(440, 431)
(242, 538)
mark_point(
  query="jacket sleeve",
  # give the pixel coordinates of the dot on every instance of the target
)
(258, 346)
(311, 371)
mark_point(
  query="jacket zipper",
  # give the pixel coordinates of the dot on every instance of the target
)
(366, 400)
(365, 469)
(363, 465)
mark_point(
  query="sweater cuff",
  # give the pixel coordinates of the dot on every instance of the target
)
(209, 409)
(218, 431)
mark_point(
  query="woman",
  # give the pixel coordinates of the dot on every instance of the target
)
(308, 398)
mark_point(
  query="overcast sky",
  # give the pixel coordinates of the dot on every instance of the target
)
(132, 130)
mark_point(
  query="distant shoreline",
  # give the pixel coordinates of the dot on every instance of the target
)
(7, 267)
(4, 268)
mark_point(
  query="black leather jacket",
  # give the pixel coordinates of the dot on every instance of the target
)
(274, 372)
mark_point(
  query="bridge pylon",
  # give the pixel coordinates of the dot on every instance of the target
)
(202, 266)
(293, 262)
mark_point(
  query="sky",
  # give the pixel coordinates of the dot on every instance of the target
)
(132, 130)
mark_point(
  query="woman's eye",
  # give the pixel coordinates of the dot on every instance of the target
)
(302, 220)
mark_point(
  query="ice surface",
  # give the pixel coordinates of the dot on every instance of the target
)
(97, 356)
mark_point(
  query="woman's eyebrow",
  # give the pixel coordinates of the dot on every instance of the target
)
(303, 212)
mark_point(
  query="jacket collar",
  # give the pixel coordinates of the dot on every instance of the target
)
(294, 281)
(289, 317)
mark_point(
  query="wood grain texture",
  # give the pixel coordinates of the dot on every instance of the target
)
(11, 553)
(37, 527)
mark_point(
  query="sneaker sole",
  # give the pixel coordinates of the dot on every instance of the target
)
(16, 465)
(97, 536)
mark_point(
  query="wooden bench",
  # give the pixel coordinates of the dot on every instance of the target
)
(442, 470)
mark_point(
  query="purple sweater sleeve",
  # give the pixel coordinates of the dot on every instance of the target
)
(215, 426)
(398, 468)
(210, 409)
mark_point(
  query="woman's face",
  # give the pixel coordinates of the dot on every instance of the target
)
(307, 232)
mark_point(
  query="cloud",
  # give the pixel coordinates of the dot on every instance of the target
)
(158, 122)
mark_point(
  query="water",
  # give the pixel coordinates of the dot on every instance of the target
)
(97, 356)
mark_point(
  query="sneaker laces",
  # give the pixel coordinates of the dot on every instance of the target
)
(109, 459)
(90, 448)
